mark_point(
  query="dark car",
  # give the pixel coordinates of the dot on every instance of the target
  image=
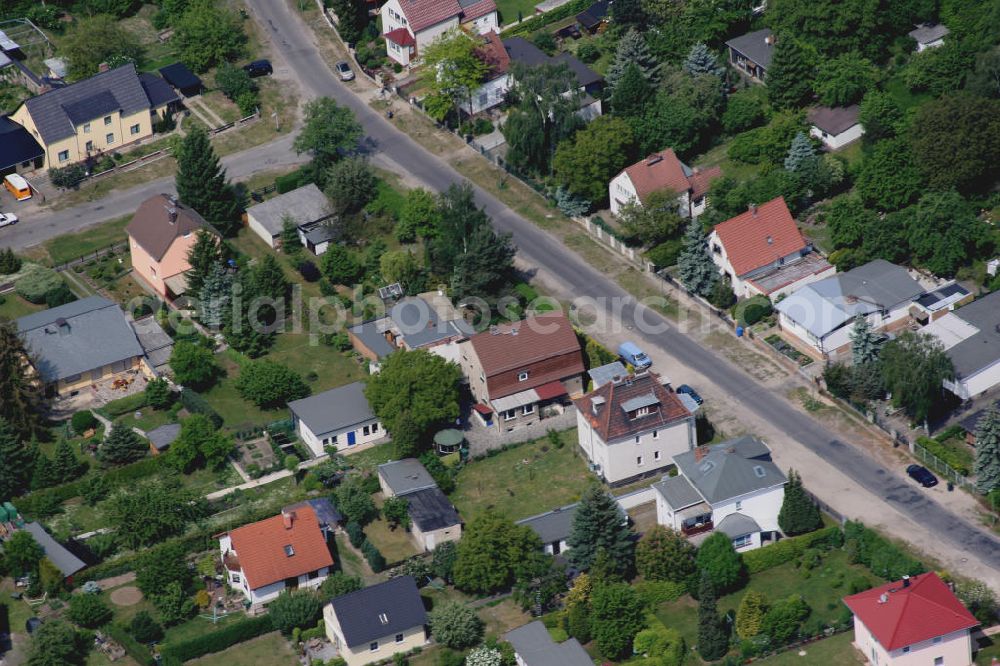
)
(922, 475)
(690, 392)
(259, 68)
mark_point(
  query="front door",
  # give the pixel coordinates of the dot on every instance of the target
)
(351, 438)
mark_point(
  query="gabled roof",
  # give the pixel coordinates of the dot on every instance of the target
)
(341, 408)
(534, 645)
(757, 46)
(304, 204)
(263, 548)
(678, 492)
(157, 90)
(925, 33)
(835, 119)
(494, 55)
(423, 14)
(162, 437)
(406, 476)
(179, 76)
(381, 610)
(592, 16)
(603, 374)
(611, 419)
(899, 615)
(57, 113)
(430, 510)
(16, 144)
(665, 171)
(760, 236)
(554, 525)
(56, 553)
(971, 334)
(160, 220)
(521, 50)
(474, 9)
(730, 469)
(401, 36)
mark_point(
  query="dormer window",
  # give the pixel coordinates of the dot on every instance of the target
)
(289, 551)
(522, 376)
(642, 411)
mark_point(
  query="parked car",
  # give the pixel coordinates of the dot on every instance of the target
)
(7, 218)
(687, 390)
(259, 68)
(344, 71)
(922, 475)
(631, 354)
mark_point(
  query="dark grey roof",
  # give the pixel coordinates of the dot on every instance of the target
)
(372, 335)
(926, 33)
(55, 552)
(164, 436)
(406, 476)
(154, 340)
(737, 525)
(730, 469)
(943, 295)
(334, 410)
(157, 90)
(381, 610)
(57, 112)
(304, 204)
(179, 76)
(585, 76)
(591, 17)
(319, 232)
(981, 349)
(16, 144)
(754, 46)
(835, 119)
(430, 510)
(534, 645)
(552, 526)
(603, 374)
(521, 50)
(971, 421)
(326, 513)
(678, 492)
(96, 334)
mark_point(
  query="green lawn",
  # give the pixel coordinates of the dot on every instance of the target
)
(150, 419)
(523, 481)
(227, 401)
(368, 459)
(14, 307)
(834, 650)
(304, 355)
(896, 87)
(988, 648)
(509, 10)
(63, 248)
(718, 156)
(395, 545)
(268, 649)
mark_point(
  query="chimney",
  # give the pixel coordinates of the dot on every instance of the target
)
(103, 67)
(699, 453)
(884, 598)
(753, 209)
(769, 40)
(172, 215)
(906, 581)
(63, 326)
(770, 241)
(287, 518)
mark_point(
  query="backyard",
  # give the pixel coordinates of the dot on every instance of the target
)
(268, 649)
(834, 650)
(394, 544)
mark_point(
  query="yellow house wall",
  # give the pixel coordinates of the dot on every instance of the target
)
(95, 374)
(361, 654)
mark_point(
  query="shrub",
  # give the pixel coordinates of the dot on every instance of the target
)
(270, 385)
(790, 549)
(294, 609)
(196, 404)
(375, 558)
(752, 310)
(83, 421)
(35, 282)
(881, 556)
(125, 405)
(9, 262)
(355, 534)
(588, 52)
(666, 253)
(656, 592)
(60, 295)
(88, 611)
(67, 177)
(309, 271)
(951, 457)
(293, 180)
(176, 654)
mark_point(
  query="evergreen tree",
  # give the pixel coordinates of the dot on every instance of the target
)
(269, 279)
(988, 452)
(713, 638)
(352, 17)
(697, 272)
(801, 154)
(201, 182)
(204, 256)
(291, 244)
(631, 93)
(16, 462)
(666, 554)
(215, 296)
(628, 13)
(632, 50)
(790, 76)
(865, 343)
(44, 475)
(701, 60)
(750, 614)
(485, 265)
(600, 524)
(9, 262)
(570, 204)
(21, 393)
(798, 514)
(724, 566)
(65, 465)
(122, 446)
(248, 328)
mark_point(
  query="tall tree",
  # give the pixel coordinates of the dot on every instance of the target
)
(17, 461)
(697, 272)
(713, 637)
(880, 116)
(214, 297)
(22, 392)
(865, 342)
(493, 553)
(351, 184)
(889, 178)
(457, 72)
(193, 365)
(790, 76)
(798, 514)
(207, 34)
(700, 60)
(665, 554)
(914, 366)
(844, 80)
(352, 17)
(21, 553)
(596, 153)
(270, 385)
(57, 642)
(485, 265)
(93, 40)
(724, 566)
(330, 130)
(269, 279)
(122, 446)
(956, 142)
(600, 525)
(65, 464)
(988, 452)
(617, 615)
(201, 182)
(653, 222)
(153, 511)
(632, 50)
(205, 256)
(248, 325)
(418, 217)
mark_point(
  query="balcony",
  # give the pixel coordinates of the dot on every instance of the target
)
(697, 528)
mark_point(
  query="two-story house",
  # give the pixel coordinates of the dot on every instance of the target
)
(732, 487)
(104, 113)
(662, 171)
(762, 251)
(519, 370)
(284, 552)
(632, 427)
(408, 26)
(340, 418)
(916, 621)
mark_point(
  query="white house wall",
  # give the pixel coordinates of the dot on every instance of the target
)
(621, 191)
(971, 386)
(838, 141)
(763, 506)
(428, 35)
(626, 458)
(488, 95)
(954, 648)
(318, 448)
(484, 24)
(259, 229)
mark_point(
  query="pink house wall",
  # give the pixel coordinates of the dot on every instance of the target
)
(154, 272)
(955, 649)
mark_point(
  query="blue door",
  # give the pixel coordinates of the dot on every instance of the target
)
(350, 439)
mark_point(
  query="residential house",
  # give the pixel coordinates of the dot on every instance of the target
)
(603, 374)
(522, 369)
(733, 487)
(19, 151)
(935, 304)
(160, 236)
(762, 251)
(594, 18)
(408, 26)
(970, 336)
(912, 622)
(662, 171)
(496, 82)
(929, 35)
(155, 343)
(818, 317)
(751, 53)
(588, 82)
(327, 515)
(81, 343)
(553, 528)
(306, 206)
(836, 126)
(433, 519)
(284, 552)
(64, 560)
(428, 321)
(632, 426)
(374, 623)
(340, 418)
(533, 646)
(101, 114)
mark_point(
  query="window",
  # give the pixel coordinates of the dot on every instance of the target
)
(937, 639)
(374, 428)
(86, 128)
(373, 646)
(656, 434)
(313, 575)
(110, 138)
(89, 146)
(333, 440)
(638, 460)
(399, 638)
(366, 430)
(107, 120)
(510, 415)
(637, 439)
(743, 541)
(739, 505)
(906, 649)
(63, 155)
(289, 551)
(642, 411)
(522, 376)
(938, 661)
(134, 129)
(656, 455)
(528, 409)
(326, 441)
(236, 578)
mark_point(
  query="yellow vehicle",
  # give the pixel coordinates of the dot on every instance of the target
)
(17, 186)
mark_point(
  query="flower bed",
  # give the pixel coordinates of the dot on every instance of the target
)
(786, 349)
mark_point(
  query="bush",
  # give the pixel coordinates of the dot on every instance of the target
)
(83, 421)
(752, 310)
(790, 549)
(293, 180)
(881, 556)
(60, 295)
(951, 457)
(294, 610)
(355, 533)
(125, 405)
(375, 558)
(196, 404)
(88, 611)
(666, 253)
(588, 52)
(35, 282)
(9, 262)
(67, 177)
(175, 654)
(270, 385)
(309, 271)
(482, 126)
(656, 592)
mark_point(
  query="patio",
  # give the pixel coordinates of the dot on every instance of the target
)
(100, 393)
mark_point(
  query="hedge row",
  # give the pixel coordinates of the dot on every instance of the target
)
(139, 652)
(881, 556)
(216, 641)
(196, 404)
(656, 592)
(294, 180)
(125, 405)
(950, 457)
(791, 548)
(540, 21)
(67, 491)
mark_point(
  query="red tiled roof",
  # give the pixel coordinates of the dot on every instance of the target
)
(494, 55)
(924, 610)
(550, 390)
(261, 547)
(659, 171)
(478, 10)
(422, 14)
(760, 237)
(611, 421)
(401, 36)
(702, 180)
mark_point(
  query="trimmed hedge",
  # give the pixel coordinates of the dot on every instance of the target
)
(216, 641)
(139, 652)
(293, 180)
(881, 556)
(538, 22)
(35, 282)
(196, 404)
(950, 457)
(791, 548)
(125, 405)
(67, 491)
(656, 592)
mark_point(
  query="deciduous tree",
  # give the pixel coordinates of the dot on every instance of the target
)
(351, 184)
(193, 365)
(88, 611)
(396, 511)
(844, 80)
(152, 512)
(21, 553)
(631, 93)
(57, 642)
(914, 365)
(617, 615)
(492, 553)
(596, 153)
(956, 142)
(144, 628)
(455, 625)
(889, 178)
(724, 566)
(418, 217)
(270, 385)
(880, 116)
(207, 34)
(665, 554)
(295, 608)
(338, 584)
(455, 72)
(93, 40)
(330, 130)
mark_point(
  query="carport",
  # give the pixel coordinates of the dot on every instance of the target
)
(19, 152)
(183, 79)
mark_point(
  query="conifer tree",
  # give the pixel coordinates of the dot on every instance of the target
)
(631, 93)
(600, 524)
(122, 446)
(65, 465)
(291, 244)
(270, 280)
(204, 256)
(988, 452)
(798, 514)
(9, 262)
(865, 343)
(713, 639)
(16, 462)
(700, 60)
(252, 337)
(750, 614)
(44, 474)
(697, 272)
(570, 204)
(632, 49)
(201, 182)
(801, 154)
(215, 296)
(20, 390)
(790, 76)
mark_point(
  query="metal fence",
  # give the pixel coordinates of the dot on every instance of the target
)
(112, 249)
(941, 467)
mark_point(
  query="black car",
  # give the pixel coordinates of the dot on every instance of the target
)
(922, 475)
(687, 390)
(259, 68)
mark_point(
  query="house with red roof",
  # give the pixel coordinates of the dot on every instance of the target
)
(632, 427)
(762, 251)
(497, 80)
(662, 171)
(917, 621)
(284, 552)
(408, 26)
(522, 371)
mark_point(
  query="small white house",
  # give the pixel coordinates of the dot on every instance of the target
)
(929, 36)
(553, 528)
(836, 126)
(339, 418)
(408, 26)
(304, 205)
(732, 487)
(497, 81)
(662, 171)
(970, 336)
(433, 519)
